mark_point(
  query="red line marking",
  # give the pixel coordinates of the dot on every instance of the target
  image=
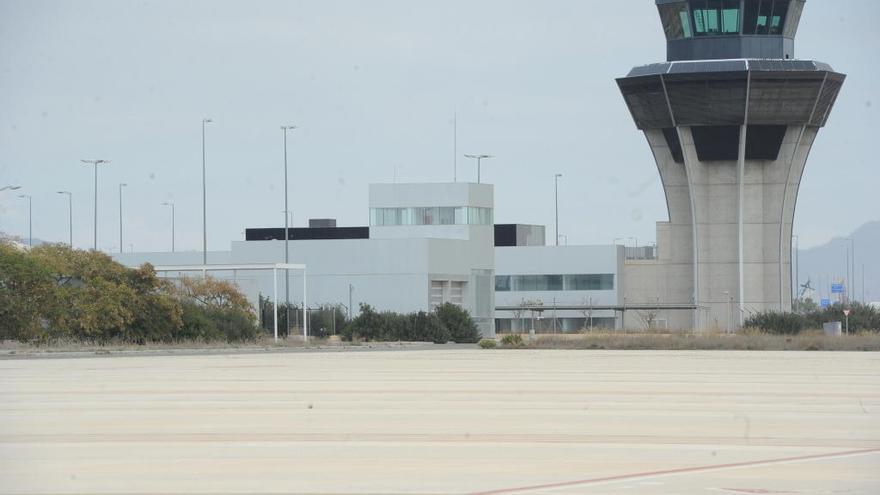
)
(648, 474)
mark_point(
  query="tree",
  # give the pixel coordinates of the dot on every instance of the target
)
(28, 299)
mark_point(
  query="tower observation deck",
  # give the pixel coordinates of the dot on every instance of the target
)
(730, 118)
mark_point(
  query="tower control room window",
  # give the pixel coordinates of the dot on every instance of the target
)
(676, 20)
(765, 16)
(715, 17)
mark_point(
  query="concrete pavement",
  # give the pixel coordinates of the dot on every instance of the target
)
(447, 421)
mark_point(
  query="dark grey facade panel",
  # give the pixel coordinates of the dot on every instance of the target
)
(505, 235)
(648, 70)
(763, 142)
(826, 100)
(683, 67)
(778, 100)
(646, 101)
(708, 101)
(730, 47)
(708, 66)
(777, 97)
(307, 234)
(716, 143)
(674, 143)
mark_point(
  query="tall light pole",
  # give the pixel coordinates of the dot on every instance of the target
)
(729, 300)
(121, 185)
(556, 194)
(850, 266)
(797, 269)
(69, 216)
(9, 188)
(96, 163)
(479, 159)
(171, 204)
(284, 130)
(204, 198)
(30, 218)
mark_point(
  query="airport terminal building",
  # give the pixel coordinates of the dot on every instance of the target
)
(429, 244)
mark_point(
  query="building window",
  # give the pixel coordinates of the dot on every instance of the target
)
(675, 19)
(714, 17)
(451, 215)
(535, 283)
(765, 16)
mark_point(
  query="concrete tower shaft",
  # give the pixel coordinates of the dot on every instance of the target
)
(731, 138)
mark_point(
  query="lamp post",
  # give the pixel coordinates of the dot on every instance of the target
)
(30, 218)
(556, 195)
(729, 300)
(850, 265)
(171, 204)
(69, 216)
(95, 163)
(121, 185)
(350, 308)
(284, 130)
(9, 188)
(797, 279)
(204, 197)
(479, 159)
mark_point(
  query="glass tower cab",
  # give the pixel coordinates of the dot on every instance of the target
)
(730, 29)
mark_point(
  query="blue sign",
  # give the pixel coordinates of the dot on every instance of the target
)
(825, 303)
(837, 288)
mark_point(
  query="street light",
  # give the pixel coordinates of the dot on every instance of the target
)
(850, 262)
(121, 185)
(284, 130)
(204, 198)
(729, 300)
(96, 163)
(69, 215)
(479, 159)
(171, 204)
(797, 269)
(10, 188)
(556, 193)
(30, 218)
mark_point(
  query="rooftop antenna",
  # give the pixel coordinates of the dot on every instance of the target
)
(455, 145)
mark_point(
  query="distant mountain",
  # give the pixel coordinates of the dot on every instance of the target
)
(825, 264)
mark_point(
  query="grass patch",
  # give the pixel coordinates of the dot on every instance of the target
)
(705, 341)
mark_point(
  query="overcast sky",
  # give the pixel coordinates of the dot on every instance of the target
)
(373, 86)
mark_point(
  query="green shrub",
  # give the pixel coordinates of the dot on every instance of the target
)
(458, 323)
(488, 344)
(774, 322)
(512, 340)
(448, 323)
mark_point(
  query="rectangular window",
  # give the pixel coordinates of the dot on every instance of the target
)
(435, 215)
(730, 17)
(447, 216)
(532, 283)
(675, 20)
(714, 17)
(765, 16)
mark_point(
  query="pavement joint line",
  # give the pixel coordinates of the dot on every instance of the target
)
(675, 472)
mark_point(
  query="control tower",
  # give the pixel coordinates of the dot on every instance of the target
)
(730, 118)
